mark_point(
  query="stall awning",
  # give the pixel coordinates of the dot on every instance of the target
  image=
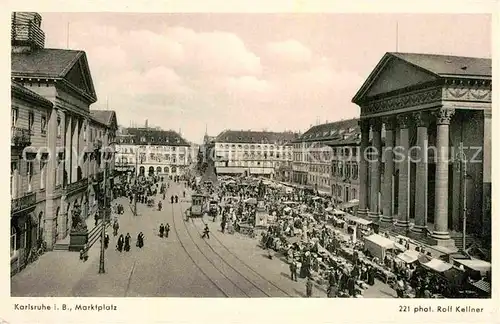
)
(408, 256)
(349, 204)
(437, 265)
(380, 241)
(482, 285)
(358, 220)
(230, 170)
(475, 264)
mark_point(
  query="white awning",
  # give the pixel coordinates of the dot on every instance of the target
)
(437, 265)
(380, 241)
(475, 264)
(409, 256)
(358, 220)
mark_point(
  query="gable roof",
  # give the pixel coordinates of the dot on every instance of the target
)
(242, 136)
(448, 65)
(106, 117)
(18, 90)
(439, 66)
(334, 131)
(151, 136)
(50, 63)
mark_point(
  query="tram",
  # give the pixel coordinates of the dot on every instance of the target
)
(197, 205)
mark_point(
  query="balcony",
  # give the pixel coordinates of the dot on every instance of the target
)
(80, 185)
(20, 137)
(23, 203)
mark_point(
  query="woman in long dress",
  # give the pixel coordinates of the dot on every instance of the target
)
(127, 242)
(119, 244)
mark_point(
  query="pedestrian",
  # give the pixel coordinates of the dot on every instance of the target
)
(223, 225)
(206, 232)
(171, 199)
(159, 205)
(84, 256)
(309, 287)
(176, 199)
(163, 195)
(184, 194)
(167, 229)
(162, 229)
(96, 219)
(293, 270)
(127, 242)
(119, 244)
(140, 240)
(106, 240)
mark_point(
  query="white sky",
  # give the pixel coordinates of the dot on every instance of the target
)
(248, 71)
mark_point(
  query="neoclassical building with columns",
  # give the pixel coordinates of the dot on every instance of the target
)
(426, 146)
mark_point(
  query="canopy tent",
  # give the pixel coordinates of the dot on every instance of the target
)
(409, 256)
(349, 204)
(437, 265)
(251, 201)
(357, 220)
(475, 264)
(380, 241)
(287, 209)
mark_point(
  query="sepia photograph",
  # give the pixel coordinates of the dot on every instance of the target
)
(251, 155)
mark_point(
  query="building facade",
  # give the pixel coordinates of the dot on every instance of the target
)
(54, 137)
(252, 152)
(320, 162)
(436, 110)
(152, 151)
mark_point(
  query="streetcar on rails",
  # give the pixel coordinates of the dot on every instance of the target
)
(197, 208)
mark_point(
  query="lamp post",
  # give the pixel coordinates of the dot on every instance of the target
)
(104, 210)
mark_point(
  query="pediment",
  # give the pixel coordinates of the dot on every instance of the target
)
(79, 76)
(392, 74)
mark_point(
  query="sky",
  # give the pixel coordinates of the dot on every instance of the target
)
(275, 72)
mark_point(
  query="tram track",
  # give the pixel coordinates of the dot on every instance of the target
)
(234, 290)
(191, 257)
(250, 267)
(238, 272)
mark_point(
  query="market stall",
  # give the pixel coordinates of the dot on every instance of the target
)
(378, 245)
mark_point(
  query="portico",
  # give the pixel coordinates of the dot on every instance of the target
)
(430, 111)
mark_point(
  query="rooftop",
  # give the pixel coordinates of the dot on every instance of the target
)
(17, 88)
(449, 65)
(342, 131)
(249, 136)
(151, 136)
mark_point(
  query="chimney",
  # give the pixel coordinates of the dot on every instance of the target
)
(26, 34)
(146, 124)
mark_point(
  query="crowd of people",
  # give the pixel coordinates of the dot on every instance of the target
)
(322, 246)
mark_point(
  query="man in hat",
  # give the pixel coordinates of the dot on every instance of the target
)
(309, 287)
(293, 270)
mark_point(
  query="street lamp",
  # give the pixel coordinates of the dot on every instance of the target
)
(104, 209)
(463, 159)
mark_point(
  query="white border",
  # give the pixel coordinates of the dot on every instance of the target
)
(192, 310)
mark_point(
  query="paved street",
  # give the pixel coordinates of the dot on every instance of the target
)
(224, 265)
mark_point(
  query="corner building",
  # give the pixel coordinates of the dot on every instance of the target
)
(253, 153)
(54, 136)
(430, 107)
(152, 151)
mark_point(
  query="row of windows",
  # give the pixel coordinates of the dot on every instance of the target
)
(253, 147)
(155, 148)
(248, 164)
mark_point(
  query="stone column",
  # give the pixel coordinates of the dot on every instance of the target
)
(401, 156)
(375, 157)
(61, 163)
(363, 168)
(75, 149)
(68, 147)
(387, 207)
(421, 179)
(443, 118)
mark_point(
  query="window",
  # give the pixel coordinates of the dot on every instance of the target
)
(13, 241)
(31, 121)
(15, 115)
(29, 174)
(85, 132)
(42, 174)
(43, 124)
